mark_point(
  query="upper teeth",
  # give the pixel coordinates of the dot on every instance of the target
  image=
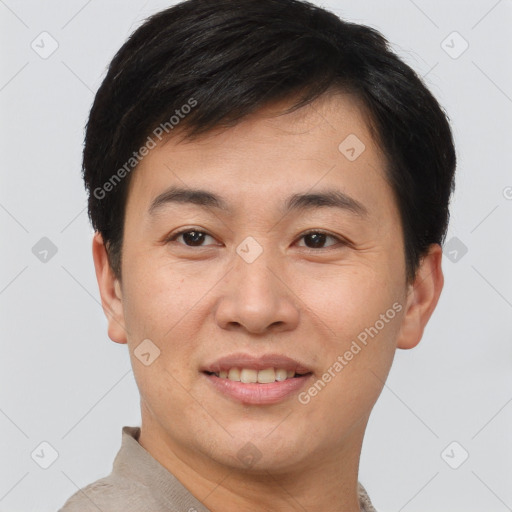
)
(247, 375)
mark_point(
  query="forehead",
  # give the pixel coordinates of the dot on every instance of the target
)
(269, 155)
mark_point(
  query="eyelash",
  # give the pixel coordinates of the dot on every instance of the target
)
(340, 241)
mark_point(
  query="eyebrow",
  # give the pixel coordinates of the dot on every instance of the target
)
(329, 198)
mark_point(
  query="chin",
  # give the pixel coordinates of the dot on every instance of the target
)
(262, 449)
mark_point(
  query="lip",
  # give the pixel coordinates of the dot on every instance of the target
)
(242, 360)
(256, 393)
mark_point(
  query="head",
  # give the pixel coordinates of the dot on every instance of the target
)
(265, 179)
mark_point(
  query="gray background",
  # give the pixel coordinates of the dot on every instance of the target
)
(65, 383)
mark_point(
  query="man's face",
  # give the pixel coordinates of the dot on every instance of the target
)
(248, 288)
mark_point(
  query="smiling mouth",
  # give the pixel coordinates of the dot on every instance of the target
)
(252, 376)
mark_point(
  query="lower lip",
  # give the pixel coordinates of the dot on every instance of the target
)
(259, 394)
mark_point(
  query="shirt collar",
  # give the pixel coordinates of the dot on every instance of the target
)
(135, 463)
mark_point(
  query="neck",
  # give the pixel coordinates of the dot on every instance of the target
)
(325, 481)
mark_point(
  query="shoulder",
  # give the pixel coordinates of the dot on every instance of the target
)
(110, 494)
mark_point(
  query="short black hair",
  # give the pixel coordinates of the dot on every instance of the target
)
(204, 64)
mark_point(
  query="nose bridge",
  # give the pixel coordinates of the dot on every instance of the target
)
(252, 270)
(255, 286)
(254, 297)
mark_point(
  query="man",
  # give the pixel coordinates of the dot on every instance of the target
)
(269, 187)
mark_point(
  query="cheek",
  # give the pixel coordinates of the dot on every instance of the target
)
(350, 298)
(161, 302)
(360, 319)
(157, 307)
(359, 313)
(155, 297)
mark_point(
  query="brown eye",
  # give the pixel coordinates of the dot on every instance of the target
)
(317, 239)
(190, 237)
(193, 238)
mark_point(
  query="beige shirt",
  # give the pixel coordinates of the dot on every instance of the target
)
(139, 483)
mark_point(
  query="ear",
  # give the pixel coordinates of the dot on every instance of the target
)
(422, 297)
(110, 291)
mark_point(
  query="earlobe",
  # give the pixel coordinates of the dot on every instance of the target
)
(422, 298)
(110, 291)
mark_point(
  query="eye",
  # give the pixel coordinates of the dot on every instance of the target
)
(317, 239)
(190, 237)
(314, 239)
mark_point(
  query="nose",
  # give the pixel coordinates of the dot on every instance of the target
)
(257, 297)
